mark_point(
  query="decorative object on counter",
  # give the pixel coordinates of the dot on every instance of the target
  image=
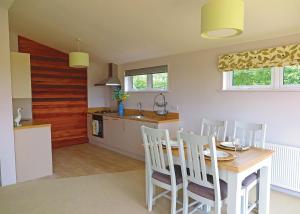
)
(160, 105)
(139, 105)
(121, 97)
(79, 59)
(18, 118)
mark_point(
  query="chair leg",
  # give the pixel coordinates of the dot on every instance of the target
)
(173, 201)
(246, 201)
(257, 195)
(243, 206)
(185, 202)
(208, 209)
(150, 196)
(153, 193)
(217, 209)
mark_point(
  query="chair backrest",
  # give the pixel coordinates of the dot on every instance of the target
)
(194, 159)
(215, 128)
(154, 142)
(250, 134)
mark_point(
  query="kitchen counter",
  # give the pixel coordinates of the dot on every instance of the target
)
(149, 116)
(31, 124)
(33, 150)
(150, 119)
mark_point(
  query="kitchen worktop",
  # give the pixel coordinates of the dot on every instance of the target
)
(149, 116)
(31, 124)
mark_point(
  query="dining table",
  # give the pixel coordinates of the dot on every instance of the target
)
(235, 171)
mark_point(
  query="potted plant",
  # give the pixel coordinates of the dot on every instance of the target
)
(120, 96)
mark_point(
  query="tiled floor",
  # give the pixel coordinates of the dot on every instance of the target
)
(88, 159)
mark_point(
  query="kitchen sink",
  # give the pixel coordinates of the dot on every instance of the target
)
(136, 116)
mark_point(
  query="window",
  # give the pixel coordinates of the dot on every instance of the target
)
(287, 77)
(147, 79)
(139, 82)
(160, 81)
(291, 75)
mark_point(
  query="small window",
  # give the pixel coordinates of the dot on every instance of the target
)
(147, 79)
(248, 79)
(252, 77)
(139, 82)
(291, 75)
(280, 79)
(160, 81)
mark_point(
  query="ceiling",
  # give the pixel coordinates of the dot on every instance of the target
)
(6, 3)
(129, 30)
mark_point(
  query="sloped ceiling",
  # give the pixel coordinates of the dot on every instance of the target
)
(6, 3)
(129, 30)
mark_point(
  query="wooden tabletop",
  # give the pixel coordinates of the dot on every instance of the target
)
(243, 160)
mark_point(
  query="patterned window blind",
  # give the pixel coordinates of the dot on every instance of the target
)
(271, 57)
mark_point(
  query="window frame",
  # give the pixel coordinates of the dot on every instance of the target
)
(128, 83)
(277, 84)
(287, 87)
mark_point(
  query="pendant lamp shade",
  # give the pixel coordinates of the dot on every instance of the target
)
(79, 60)
(222, 19)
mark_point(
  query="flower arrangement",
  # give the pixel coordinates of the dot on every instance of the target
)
(120, 95)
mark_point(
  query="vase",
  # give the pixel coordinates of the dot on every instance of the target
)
(121, 109)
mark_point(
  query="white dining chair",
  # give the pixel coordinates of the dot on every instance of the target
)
(250, 134)
(205, 188)
(161, 171)
(215, 128)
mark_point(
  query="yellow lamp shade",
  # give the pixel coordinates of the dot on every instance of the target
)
(222, 19)
(79, 60)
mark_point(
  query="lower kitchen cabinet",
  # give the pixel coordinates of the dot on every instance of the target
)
(33, 152)
(124, 135)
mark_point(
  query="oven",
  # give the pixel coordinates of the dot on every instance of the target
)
(97, 125)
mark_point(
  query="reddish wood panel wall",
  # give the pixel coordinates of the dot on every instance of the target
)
(59, 93)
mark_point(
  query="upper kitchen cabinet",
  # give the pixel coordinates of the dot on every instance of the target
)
(21, 75)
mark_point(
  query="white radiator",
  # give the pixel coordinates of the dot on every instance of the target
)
(285, 166)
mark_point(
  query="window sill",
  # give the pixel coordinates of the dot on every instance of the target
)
(262, 90)
(147, 91)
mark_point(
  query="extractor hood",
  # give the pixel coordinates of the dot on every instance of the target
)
(112, 79)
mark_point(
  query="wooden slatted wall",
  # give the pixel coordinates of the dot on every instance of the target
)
(59, 93)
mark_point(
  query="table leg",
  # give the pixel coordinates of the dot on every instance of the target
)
(264, 188)
(147, 183)
(234, 193)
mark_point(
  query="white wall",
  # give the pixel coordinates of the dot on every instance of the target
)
(7, 153)
(98, 96)
(195, 84)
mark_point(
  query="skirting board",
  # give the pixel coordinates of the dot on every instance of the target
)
(285, 191)
(117, 150)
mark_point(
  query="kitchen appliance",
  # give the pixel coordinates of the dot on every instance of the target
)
(97, 125)
(112, 79)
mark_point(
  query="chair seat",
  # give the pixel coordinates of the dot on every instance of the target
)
(249, 179)
(166, 178)
(208, 192)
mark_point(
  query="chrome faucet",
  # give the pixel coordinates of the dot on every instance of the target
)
(139, 105)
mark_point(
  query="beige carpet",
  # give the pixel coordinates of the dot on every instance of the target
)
(105, 193)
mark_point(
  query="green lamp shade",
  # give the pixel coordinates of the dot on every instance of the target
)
(222, 19)
(79, 60)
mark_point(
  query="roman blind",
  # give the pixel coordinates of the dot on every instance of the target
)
(148, 70)
(262, 58)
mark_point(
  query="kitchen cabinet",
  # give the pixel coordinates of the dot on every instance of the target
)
(20, 75)
(124, 135)
(33, 152)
